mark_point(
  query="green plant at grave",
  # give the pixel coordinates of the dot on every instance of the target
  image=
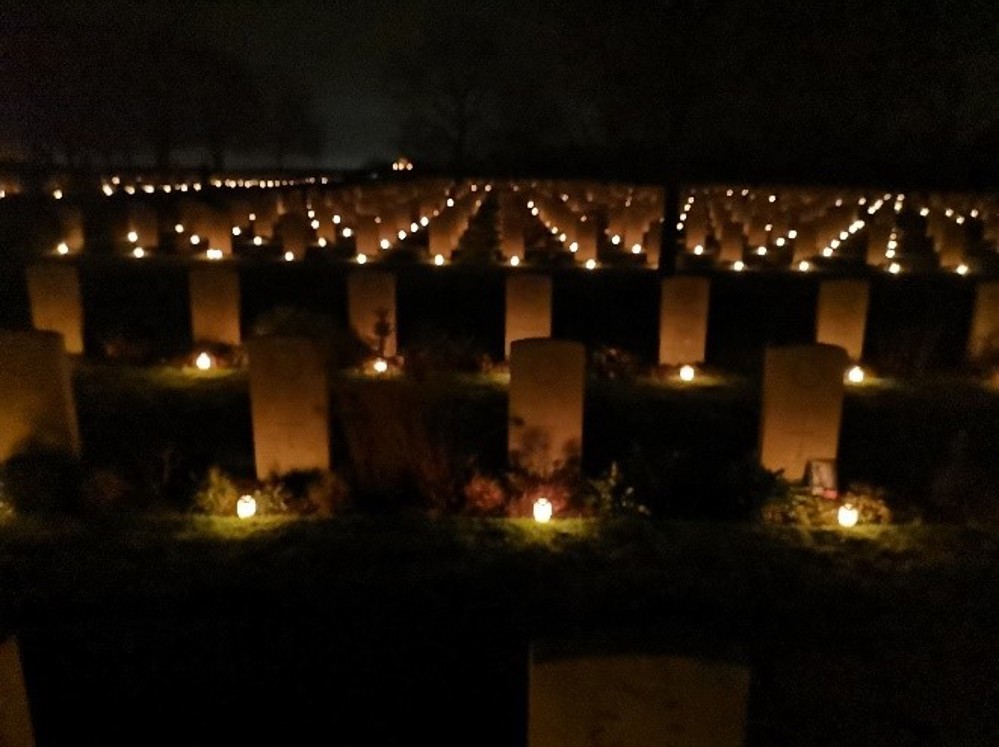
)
(609, 495)
(217, 494)
(319, 493)
(42, 480)
(803, 509)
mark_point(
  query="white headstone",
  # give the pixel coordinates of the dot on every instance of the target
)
(841, 316)
(528, 307)
(638, 701)
(802, 406)
(547, 384)
(56, 304)
(36, 394)
(371, 307)
(215, 303)
(16, 729)
(683, 319)
(289, 404)
(983, 339)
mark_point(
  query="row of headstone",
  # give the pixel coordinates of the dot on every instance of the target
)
(289, 397)
(841, 313)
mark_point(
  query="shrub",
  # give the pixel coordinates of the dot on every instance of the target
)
(613, 363)
(435, 353)
(104, 489)
(608, 495)
(217, 494)
(319, 493)
(42, 480)
(801, 508)
(346, 349)
(484, 496)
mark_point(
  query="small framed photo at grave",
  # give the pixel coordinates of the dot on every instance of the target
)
(822, 478)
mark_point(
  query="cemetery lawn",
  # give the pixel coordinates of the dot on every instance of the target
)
(170, 629)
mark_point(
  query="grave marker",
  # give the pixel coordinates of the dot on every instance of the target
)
(802, 406)
(289, 404)
(36, 394)
(683, 319)
(841, 316)
(215, 303)
(56, 305)
(371, 308)
(528, 307)
(547, 381)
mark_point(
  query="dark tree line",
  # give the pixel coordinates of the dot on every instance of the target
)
(841, 90)
(115, 93)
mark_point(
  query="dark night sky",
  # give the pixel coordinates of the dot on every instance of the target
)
(854, 75)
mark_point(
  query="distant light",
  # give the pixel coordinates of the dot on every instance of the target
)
(514, 260)
(530, 204)
(315, 225)
(321, 242)
(698, 250)
(380, 365)
(761, 251)
(402, 235)
(132, 237)
(744, 192)
(844, 235)
(62, 248)
(439, 259)
(312, 214)
(361, 258)
(894, 268)
(834, 243)
(534, 211)
(542, 510)
(179, 228)
(687, 373)
(973, 213)
(839, 202)
(574, 247)
(924, 212)
(889, 253)
(738, 265)
(138, 252)
(827, 251)
(214, 254)
(385, 244)
(961, 269)
(804, 266)
(729, 192)
(347, 233)
(450, 202)
(289, 256)
(615, 239)
(414, 227)
(768, 227)
(424, 221)
(252, 217)
(236, 231)
(959, 220)
(949, 212)
(562, 237)
(636, 248)
(336, 219)
(679, 226)
(57, 194)
(792, 234)
(149, 189)
(203, 362)
(258, 241)
(855, 375)
(246, 507)
(590, 264)
(108, 189)
(195, 239)
(780, 241)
